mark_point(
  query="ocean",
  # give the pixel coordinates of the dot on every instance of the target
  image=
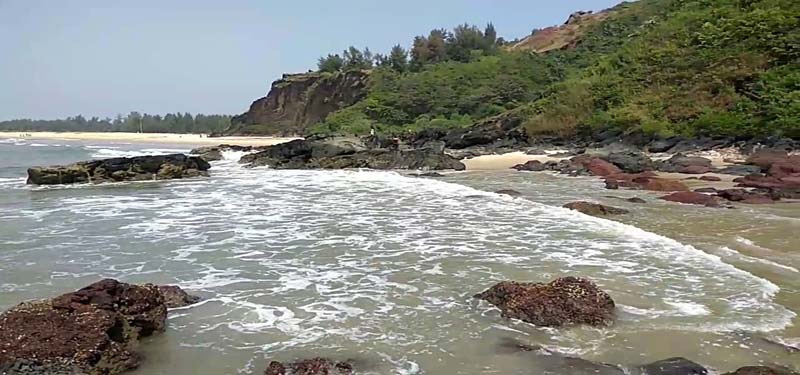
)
(380, 267)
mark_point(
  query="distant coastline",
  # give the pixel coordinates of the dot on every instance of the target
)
(190, 139)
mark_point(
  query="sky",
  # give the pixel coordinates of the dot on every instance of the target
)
(108, 57)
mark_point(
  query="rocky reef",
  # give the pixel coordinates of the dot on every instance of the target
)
(595, 209)
(564, 301)
(140, 168)
(314, 366)
(351, 152)
(297, 101)
(94, 330)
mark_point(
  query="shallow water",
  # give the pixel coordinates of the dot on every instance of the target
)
(380, 268)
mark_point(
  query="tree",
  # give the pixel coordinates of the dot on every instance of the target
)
(330, 63)
(398, 58)
(355, 59)
(490, 36)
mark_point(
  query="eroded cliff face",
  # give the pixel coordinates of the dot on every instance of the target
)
(560, 37)
(297, 101)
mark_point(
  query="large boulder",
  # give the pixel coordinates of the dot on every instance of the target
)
(600, 167)
(747, 196)
(337, 153)
(630, 161)
(531, 166)
(691, 197)
(564, 301)
(314, 366)
(214, 153)
(595, 209)
(674, 366)
(680, 163)
(140, 168)
(94, 330)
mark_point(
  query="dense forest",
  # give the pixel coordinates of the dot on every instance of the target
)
(669, 67)
(133, 122)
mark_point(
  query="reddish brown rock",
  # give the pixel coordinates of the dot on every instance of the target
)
(644, 181)
(314, 366)
(595, 209)
(766, 157)
(94, 330)
(690, 197)
(747, 197)
(600, 167)
(564, 301)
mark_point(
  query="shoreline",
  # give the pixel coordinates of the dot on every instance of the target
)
(168, 138)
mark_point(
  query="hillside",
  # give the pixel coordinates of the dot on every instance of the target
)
(665, 67)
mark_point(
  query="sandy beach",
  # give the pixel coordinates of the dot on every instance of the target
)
(505, 161)
(189, 139)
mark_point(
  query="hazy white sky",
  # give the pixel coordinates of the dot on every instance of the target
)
(103, 57)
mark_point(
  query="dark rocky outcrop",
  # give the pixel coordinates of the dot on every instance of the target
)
(747, 196)
(595, 209)
(341, 153)
(691, 197)
(314, 366)
(674, 366)
(140, 168)
(501, 130)
(174, 296)
(740, 170)
(762, 370)
(564, 301)
(630, 161)
(297, 101)
(94, 330)
(531, 166)
(680, 163)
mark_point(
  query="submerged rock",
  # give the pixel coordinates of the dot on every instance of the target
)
(338, 153)
(595, 209)
(140, 168)
(174, 296)
(94, 330)
(314, 366)
(691, 197)
(564, 301)
(762, 370)
(550, 362)
(509, 192)
(674, 366)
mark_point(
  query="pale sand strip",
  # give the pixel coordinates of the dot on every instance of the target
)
(503, 161)
(189, 139)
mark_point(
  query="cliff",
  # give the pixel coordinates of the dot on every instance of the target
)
(559, 37)
(298, 101)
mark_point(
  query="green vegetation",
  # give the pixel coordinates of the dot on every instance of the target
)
(169, 123)
(688, 67)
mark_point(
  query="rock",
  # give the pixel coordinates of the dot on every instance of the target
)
(140, 168)
(214, 153)
(746, 197)
(503, 129)
(595, 209)
(550, 362)
(174, 296)
(680, 163)
(630, 161)
(341, 153)
(94, 330)
(600, 167)
(430, 175)
(690, 197)
(762, 370)
(314, 366)
(662, 145)
(764, 158)
(710, 178)
(644, 181)
(532, 166)
(564, 301)
(740, 170)
(706, 190)
(509, 192)
(297, 101)
(636, 200)
(674, 366)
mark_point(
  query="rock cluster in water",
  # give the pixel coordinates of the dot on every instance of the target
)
(564, 301)
(140, 168)
(341, 153)
(595, 209)
(94, 330)
(314, 366)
